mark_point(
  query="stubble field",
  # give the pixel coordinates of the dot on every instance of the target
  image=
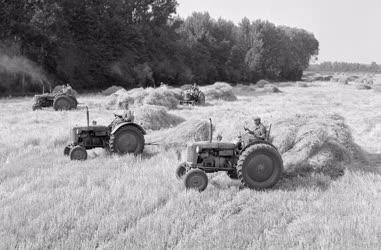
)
(127, 202)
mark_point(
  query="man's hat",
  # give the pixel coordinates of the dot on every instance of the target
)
(256, 118)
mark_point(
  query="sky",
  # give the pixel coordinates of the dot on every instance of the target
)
(347, 30)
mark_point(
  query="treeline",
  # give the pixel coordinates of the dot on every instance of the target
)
(345, 67)
(94, 44)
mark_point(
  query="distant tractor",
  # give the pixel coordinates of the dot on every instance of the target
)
(122, 136)
(63, 99)
(192, 96)
(256, 163)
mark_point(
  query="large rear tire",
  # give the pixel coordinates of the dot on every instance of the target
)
(127, 139)
(201, 98)
(74, 102)
(260, 166)
(196, 179)
(62, 103)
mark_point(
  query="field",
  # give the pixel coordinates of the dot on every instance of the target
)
(123, 202)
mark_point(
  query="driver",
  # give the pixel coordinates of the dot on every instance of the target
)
(194, 90)
(128, 116)
(259, 131)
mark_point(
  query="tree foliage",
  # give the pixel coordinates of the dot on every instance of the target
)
(97, 43)
(345, 67)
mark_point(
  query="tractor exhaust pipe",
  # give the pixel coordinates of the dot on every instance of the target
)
(210, 130)
(87, 116)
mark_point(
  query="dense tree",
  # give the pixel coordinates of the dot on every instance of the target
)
(345, 67)
(97, 43)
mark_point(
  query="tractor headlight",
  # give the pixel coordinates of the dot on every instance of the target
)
(198, 150)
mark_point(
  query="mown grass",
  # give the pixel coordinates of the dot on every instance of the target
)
(113, 202)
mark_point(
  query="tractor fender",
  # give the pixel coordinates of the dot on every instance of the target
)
(117, 127)
(259, 142)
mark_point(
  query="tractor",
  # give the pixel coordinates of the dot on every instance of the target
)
(63, 99)
(256, 163)
(122, 136)
(192, 96)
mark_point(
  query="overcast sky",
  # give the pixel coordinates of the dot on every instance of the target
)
(348, 30)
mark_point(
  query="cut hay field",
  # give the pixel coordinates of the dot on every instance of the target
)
(126, 202)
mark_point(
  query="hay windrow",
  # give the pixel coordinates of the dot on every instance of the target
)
(315, 143)
(111, 90)
(313, 77)
(187, 132)
(262, 83)
(377, 88)
(244, 90)
(271, 89)
(302, 85)
(362, 86)
(162, 96)
(153, 117)
(219, 91)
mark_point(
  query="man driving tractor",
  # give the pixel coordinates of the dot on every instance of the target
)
(259, 131)
(127, 116)
(195, 90)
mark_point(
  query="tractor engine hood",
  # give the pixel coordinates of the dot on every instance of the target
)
(196, 147)
(75, 131)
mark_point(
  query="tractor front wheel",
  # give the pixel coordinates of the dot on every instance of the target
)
(78, 153)
(67, 150)
(35, 107)
(196, 179)
(181, 170)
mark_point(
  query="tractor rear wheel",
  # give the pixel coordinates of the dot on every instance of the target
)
(62, 103)
(201, 98)
(127, 139)
(260, 166)
(196, 179)
(78, 153)
(74, 102)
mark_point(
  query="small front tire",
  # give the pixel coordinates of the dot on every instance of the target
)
(35, 107)
(181, 170)
(78, 153)
(67, 150)
(196, 179)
